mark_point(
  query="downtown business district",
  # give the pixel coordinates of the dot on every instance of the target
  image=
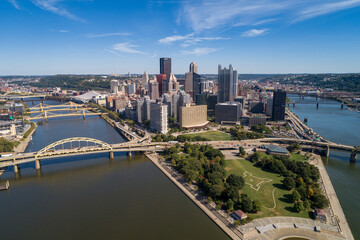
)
(169, 106)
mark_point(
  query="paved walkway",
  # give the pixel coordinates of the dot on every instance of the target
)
(198, 200)
(334, 201)
(23, 144)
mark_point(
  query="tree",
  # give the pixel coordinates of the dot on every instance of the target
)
(5, 145)
(235, 181)
(242, 151)
(232, 193)
(299, 206)
(320, 201)
(246, 203)
(289, 183)
(295, 196)
(215, 191)
(230, 205)
(255, 157)
(293, 147)
(256, 206)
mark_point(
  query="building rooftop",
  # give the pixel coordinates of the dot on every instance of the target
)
(275, 149)
(240, 213)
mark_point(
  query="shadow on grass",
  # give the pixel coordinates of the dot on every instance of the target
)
(286, 198)
(291, 209)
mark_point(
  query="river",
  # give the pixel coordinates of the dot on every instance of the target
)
(341, 126)
(92, 197)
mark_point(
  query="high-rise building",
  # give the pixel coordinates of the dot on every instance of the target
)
(165, 66)
(227, 83)
(159, 117)
(161, 78)
(170, 84)
(193, 67)
(193, 116)
(229, 112)
(279, 104)
(197, 90)
(131, 88)
(145, 79)
(154, 90)
(114, 86)
(269, 106)
(143, 109)
(189, 82)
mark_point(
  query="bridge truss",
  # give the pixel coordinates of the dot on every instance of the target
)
(92, 145)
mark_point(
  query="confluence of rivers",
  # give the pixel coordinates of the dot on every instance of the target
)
(91, 197)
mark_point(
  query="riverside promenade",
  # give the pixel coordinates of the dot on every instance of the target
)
(155, 159)
(23, 145)
(335, 205)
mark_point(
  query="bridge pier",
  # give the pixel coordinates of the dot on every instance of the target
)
(342, 106)
(317, 105)
(111, 155)
(16, 168)
(353, 157)
(129, 154)
(37, 164)
(327, 151)
(293, 105)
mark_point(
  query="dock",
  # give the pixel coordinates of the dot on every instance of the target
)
(5, 186)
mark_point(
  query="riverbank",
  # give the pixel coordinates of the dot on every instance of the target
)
(335, 205)
(154, 158)
(23, 144)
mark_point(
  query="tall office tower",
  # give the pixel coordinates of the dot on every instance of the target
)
(227, 84)
(279, 103)
(140, 110)
(189, 78)
(269, 107)
(159, 117)
(196, 85)
(145, 79)
(166, 99)
(154, 90)
(175, 105)
(165, 66)
(114, 86)
(131, 88)
(171, 84)
(193, 67)
(161, 78)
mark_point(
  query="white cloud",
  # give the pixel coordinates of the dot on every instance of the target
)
(254, 32)
(188, 39)
(91, 35)
(127, 48)
(175, 38)
(53, 6)
(326, 8)
(14, 3)
(113, 52)
(210, 14)
(199, 51)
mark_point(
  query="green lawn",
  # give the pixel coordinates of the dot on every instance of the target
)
(293, 156)
(212, 135)
(266, 183)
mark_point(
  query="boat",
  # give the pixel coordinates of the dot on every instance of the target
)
(5, 186)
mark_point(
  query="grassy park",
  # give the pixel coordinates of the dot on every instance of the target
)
(211, 135)
(264, 186)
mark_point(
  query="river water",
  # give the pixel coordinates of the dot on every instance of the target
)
(341, 126)
(91, 197)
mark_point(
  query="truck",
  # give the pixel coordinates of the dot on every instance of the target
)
(6, 155)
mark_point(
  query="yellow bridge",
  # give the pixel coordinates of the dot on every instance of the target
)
(49, 111)
(76, 146)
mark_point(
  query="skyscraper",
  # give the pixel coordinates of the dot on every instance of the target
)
(160, 78)
(165, 66)
(159, 117)
(197, 90)
(227, 84)
(279, 103)
(145, 79)
(170, 85)
(193, 67)
(154, 90)
(114, 86)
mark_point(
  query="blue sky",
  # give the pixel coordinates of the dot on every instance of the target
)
(120, 36)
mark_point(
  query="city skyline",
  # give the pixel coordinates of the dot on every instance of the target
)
(103, 37)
